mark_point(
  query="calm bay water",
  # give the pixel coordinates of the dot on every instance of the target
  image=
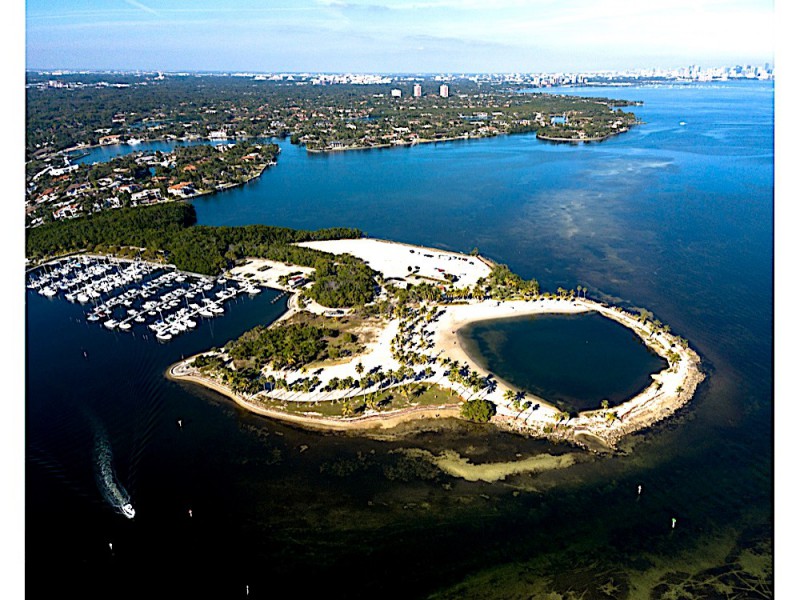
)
(573, 361)
(675, 218)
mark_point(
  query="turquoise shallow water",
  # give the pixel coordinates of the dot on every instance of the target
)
(674, 218)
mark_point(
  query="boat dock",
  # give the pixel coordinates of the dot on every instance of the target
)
(127, 293)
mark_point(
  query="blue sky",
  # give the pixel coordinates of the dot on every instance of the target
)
(396, 35)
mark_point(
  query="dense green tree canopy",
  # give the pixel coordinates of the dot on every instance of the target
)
(170, 228)
(478, 410)
(292, 345)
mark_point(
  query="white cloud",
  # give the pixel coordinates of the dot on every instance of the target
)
(141, 6)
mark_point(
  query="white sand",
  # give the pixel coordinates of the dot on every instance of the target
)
(392, 259)
(671, 388)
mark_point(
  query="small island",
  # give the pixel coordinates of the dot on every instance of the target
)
(397, 358)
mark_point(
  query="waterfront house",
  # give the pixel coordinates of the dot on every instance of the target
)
(149, 196)
(182, 189)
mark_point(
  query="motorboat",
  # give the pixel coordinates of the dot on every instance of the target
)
(127, 510)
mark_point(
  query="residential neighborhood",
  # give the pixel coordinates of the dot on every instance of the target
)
(140, 179)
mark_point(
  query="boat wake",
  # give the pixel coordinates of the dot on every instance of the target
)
(111, 489)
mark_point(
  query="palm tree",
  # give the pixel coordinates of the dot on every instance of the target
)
(359, 368)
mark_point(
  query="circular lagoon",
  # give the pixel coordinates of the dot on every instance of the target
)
(572, 361)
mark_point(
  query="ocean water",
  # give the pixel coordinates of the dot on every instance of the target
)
(674, 218)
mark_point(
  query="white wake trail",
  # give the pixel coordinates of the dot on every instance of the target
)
(110, 487)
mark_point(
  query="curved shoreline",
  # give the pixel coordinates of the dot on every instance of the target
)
(672, 388)
(578, 140)
(370, 421)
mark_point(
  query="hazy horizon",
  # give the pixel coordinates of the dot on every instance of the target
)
(396, 36)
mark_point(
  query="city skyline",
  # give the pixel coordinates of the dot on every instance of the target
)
(396, 35)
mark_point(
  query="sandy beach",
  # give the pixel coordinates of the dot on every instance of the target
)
(438, 339)
(393, 260)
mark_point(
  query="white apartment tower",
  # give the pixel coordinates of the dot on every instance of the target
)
(444, 90)
(417, 90)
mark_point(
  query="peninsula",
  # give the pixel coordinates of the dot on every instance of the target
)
(370, 337)
(398, 358)
(241, 115)
(142, 179)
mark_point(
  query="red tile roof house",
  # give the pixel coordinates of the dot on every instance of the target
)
(182, 189)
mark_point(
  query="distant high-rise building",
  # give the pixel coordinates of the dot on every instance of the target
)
(444, 90)
(396, 93)
(417, 90)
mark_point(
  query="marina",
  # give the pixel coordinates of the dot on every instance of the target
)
(138, 295)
